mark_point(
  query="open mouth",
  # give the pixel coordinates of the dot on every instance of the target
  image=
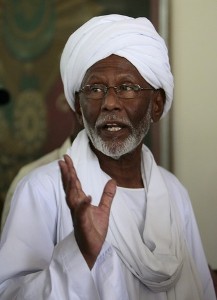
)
(112, 127)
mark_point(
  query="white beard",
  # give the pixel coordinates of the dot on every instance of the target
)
(116, 148)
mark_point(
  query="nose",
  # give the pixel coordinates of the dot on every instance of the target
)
(111, 100)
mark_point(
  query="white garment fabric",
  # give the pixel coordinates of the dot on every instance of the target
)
(159, 258)
(135, 200)
(132, 38)
(40, 259)
(51, 156)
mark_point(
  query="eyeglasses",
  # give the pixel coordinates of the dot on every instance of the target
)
(124, 91)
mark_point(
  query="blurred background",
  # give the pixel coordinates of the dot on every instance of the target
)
(35, 118)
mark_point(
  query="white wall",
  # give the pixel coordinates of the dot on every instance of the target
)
(194, 62)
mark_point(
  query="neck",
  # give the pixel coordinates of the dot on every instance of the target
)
(126, 170)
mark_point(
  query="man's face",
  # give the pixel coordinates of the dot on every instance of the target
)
(114, 125)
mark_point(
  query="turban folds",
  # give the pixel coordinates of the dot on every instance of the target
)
(132, 38)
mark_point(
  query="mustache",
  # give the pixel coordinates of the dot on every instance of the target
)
(103, 119)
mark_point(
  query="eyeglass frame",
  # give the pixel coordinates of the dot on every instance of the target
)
(116, 88)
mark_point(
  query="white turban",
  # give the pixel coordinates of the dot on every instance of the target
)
(132, 38)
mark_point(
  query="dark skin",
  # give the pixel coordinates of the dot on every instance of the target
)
(91, 222)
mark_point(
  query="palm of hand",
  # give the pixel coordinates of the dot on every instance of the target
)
(90, 222)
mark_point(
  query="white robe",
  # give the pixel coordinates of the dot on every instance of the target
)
(51, 156)
(40, 259)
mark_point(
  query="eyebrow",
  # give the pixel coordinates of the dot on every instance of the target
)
(98, 78)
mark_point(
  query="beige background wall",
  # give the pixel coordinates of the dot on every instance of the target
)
(194, 58)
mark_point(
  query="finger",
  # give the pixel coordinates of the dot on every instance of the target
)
(68, 173)
(64, 173)
(75, 182)
(66, 167)
(71, 183)
(108, 195)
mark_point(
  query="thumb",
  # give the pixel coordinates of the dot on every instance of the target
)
(108, 195)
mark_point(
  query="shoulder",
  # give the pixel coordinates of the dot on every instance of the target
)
(45, 175)
(35, 177)
(44, 161)
(41, 185)
(34, 165)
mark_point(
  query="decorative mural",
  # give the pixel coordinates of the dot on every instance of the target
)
(33, 33)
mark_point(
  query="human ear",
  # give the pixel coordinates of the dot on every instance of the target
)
(158, 105)
(78, 109)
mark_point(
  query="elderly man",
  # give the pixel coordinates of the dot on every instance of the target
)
(107, 222)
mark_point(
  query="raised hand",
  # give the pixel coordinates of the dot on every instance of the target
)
(90, 222)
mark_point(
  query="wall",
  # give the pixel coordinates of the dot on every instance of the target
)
(194, 59)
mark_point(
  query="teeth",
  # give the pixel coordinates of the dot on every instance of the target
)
(113, 127)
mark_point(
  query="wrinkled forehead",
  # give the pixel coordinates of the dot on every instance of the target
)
(113, 67)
